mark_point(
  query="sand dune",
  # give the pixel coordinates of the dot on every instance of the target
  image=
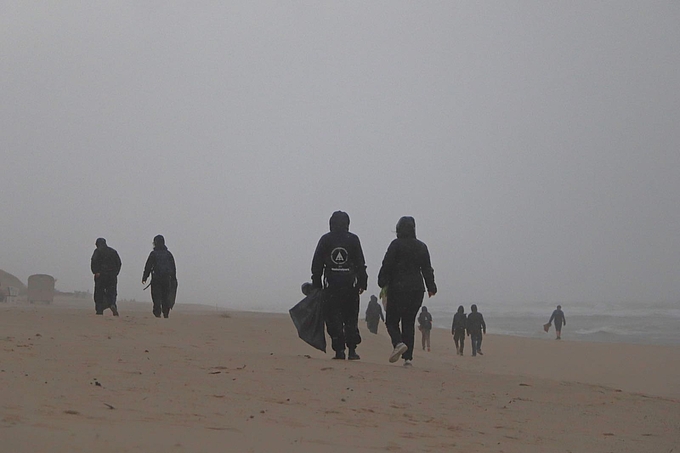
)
(209, 381)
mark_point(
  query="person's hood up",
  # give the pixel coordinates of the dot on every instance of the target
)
(374, 299)
(406, 227)
(339, 221)
(100, 242)
(461, 309)
(473, 308)
(159, 242)
(424, 309)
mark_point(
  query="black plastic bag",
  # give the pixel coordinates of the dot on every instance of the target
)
(172, 294)
(307, 316)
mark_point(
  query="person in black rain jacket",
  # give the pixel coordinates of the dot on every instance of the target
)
(338, 266)
(161, 266)
(458, 329)
(405, 266)
(475, 327)
(105, 265)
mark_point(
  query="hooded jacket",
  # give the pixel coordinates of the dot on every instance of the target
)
(475, 322)
(406, 262)
(160, 261)
(459, 320)
(105, 260)
(339, 259)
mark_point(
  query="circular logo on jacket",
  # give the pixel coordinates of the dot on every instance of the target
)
(339, 255)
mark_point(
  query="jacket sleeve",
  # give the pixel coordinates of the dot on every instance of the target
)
(428, 272)
(483, 323)
(453, 325)
(119, 263)
(150, 261)
(94, 262)
(385, 274)
(551, 318)
(318, 264)
(172, 265)
(381, 314)
(360, 265)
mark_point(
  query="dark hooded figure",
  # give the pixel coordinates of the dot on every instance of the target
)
(425, 327)
(161, 266)
(339, 268)
(560, 320)
(406, 264)
(105, 265)
(374, 315)
(458, 329)
(475, 327)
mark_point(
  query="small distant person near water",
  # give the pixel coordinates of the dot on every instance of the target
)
(161, 266)
(425, 327)
(560, 320)
(374, 315)
(475, 327)
(105, 265)
(458, 329)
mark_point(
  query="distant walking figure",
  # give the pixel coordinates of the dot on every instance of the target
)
(374, 315)
(406, 264)
(105, 265)
(475, 327)
(560, 320)
(161, 266)
(458, 329)
(425, 327)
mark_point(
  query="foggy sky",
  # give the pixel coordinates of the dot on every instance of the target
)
(537, 144)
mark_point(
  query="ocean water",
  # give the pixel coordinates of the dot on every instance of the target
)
(618, 323)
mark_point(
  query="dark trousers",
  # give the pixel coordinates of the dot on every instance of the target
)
(160, 290)
(400, 319)
(372, 325)
(459, 339)
(476, 340)
(341, 312)
(105, 292)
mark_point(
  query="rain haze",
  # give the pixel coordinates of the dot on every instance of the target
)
(535, 143)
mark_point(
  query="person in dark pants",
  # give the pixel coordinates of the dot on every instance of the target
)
(161, 266)
(475, 327)
(105, 265)
(374, 315)
(560, 320)
(458, 329)
(425, 327)
(338, 266)
(405, 265)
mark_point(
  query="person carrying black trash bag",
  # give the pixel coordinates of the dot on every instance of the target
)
(161, 266)
(560, 320)
(105, 265)
(374, 315)
(475, 327)
(406, 264)
(307, 315)
(458, 329)
(339, 268)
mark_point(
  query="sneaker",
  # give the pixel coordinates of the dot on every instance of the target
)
(339, 355)
(114, 310)
(480, 352)
(407, 363)
(399, 349)
(428, 349)
(353, 355)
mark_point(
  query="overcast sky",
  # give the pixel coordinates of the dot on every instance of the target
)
(537, 144)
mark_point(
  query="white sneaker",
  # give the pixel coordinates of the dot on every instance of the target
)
(399, 349)
(407, 363)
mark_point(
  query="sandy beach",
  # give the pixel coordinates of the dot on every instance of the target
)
(215, 381)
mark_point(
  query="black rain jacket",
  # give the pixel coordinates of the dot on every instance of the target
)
(105, 261)
(339, 259)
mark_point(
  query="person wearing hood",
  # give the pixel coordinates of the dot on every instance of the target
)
(339, 268)
(475, 327)
(161, 266)
(405, 265)
(458, 329)
(374, 315)
(560, 320)
(425, 327)
(105, 265)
